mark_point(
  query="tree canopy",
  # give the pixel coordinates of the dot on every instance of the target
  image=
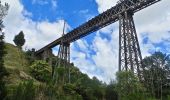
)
(157, 74)
(3, 71)
(19, 39)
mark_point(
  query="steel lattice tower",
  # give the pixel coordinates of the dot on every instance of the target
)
(129, 50)
(63, 59)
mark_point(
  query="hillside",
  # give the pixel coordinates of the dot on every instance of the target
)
(80, 86)
(34, 82)
(16, 65)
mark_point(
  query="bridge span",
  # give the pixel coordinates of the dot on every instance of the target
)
(129, 50)
(106, 18)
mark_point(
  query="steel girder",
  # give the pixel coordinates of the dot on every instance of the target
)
(129, 51)
(106, 18)
(100, 21)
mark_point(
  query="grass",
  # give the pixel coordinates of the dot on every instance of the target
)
(15, 58)
(16, 65)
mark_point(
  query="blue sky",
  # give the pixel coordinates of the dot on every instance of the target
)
(97, 53)
(72, 11)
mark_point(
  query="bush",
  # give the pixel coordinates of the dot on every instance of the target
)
(168, 97)
(30, 55)
(41, 71)
(24, 91)
(69, 89)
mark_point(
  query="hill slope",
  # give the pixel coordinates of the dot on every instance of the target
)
(81, 87)
(16, 65)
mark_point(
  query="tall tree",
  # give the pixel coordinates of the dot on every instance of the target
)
(128, 86)
(19, 39)
(3, 71)
(111, 93)
(157, 73)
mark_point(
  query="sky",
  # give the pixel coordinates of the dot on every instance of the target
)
(96, 54)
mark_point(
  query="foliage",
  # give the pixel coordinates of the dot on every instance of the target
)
(87, 88)
(24, 91)
(110, 92)
(128, 86)
(168, 97)
(19, 39)
(156, 73)
(3, 71)
(61, 74)
(30, 55)
(69, 89)
(2, 54)
(41, 71)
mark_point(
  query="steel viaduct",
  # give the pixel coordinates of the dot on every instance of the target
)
(129, 50)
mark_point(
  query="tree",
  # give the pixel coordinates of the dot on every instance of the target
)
(111, 93)
(19, 39)
(30, 55)
(157, 74)
(128, 86)
(3, 71)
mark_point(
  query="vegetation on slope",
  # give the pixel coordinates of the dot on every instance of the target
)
(16, 64)
(34, 81)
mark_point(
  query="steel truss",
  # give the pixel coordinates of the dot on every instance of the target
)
(63, 60)
(100, 21)
(129, 51)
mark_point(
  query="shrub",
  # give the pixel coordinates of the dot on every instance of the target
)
(41, 71)
(24, 91)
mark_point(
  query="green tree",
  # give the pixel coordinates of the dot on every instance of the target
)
(110, 92)
(19, 39)
(128, 86)
(3, 71)
(157, 73)
(30, 55)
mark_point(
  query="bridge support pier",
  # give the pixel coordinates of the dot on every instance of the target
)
(63, 61)
(129, 51)
(47, 56)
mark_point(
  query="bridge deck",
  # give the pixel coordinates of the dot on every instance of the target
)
(100, 21)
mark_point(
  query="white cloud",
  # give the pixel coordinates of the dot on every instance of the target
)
(83, 45)
(85, 13)
(103, 5)
(152, 22)
(54, 4)
(37, 34)
(83, 63)
(26, 13)
(106, 56)
(40, 2)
